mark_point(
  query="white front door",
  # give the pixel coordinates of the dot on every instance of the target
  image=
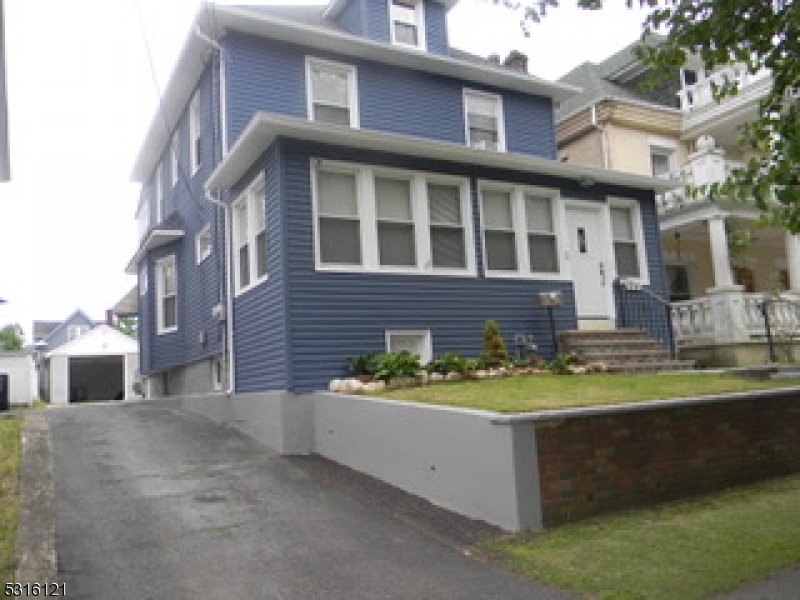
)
(588, 252)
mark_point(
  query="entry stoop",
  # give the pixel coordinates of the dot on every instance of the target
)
(621, 351)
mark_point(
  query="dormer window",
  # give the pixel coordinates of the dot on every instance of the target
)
(407, 22)
(332, 96)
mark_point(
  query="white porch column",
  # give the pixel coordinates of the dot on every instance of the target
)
(720, 257)
(793, 260)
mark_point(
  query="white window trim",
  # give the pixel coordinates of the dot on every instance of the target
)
(419, 14)
(367, 212)
(158, 191)
(501, 121)
(427, 351)
(638, 233)
(352, 84)
(253, 193)
(519, 221)
(160, 329)
(199, 253)
(143, 279)
(174, 152)
(195, 131)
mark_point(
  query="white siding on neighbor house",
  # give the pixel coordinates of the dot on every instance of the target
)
(21, 377)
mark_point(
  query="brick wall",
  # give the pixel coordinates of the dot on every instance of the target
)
(593, 463)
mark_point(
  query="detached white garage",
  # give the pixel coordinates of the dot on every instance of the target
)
(102, 364)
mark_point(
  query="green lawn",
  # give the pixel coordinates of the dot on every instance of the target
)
(9, 495)
(545, 391)
(685, 550)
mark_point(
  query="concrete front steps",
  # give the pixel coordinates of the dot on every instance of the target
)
(621, 351)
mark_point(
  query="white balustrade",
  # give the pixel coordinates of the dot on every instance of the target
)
(692, 320)
(701, 93)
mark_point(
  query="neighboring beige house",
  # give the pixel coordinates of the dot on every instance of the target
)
(717, 284)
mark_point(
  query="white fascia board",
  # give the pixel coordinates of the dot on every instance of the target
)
(195, 53)
(640, 103)
(155, 239)
(264, 128)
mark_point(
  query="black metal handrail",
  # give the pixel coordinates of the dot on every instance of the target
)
(641, 308)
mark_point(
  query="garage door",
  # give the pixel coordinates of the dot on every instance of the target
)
(96, 378)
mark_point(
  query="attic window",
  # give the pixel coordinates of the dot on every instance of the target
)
(484, 120)
(407, 23)
(332, 96)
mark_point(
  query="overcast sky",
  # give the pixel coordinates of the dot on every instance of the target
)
(82, 96)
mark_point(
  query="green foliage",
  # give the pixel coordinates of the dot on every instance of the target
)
(449, 362)
(363, 365)
(396, 364)
(11, 338)
(128, 325)
(494, 351)
(561, 363)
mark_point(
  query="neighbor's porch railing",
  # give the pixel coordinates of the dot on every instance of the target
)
(759, 316)
(701, 93)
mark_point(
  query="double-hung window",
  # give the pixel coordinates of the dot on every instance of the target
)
(396, 237)
(250, 237)
(407, 19)
(542, 239)
(158, 185)
(332, 96)
(626, 246)
(499, 235)
(520, 231)
(166, 295)
(384, 219)
(339, 221)
(446, 219)
(195, 133)
(484, 120)
(143, 278)
(203, 244)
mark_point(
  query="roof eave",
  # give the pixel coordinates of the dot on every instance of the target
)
(264, 128)
(336, 6)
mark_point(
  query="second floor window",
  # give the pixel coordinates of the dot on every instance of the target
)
(203, 244)
(332, 93)
(166, 295)
(250, 237)
(407, 22)
(159, 192)
(175, 157)
(484, 121)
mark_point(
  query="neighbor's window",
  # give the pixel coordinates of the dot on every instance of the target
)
(167, 294)
(76, 331)
(499, 237)
(661, 162)
(415, 342)
(484, 120)
(250, 237)
(203, 244)
(407, 20)
(195, 134)
(332, 96)
(626, 247)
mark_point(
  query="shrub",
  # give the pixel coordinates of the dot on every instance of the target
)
(364, 365)
(561, 364)
(494, 351)
(396, 364)
(449, 362)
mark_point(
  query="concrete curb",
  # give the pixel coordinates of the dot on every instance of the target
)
(36, 532)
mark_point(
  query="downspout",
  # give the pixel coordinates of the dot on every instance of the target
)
(225, 209)
(603, 136)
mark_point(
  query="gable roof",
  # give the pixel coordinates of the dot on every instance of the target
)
(603, 81)
(103, 340)
(299, 25)
(44, 330)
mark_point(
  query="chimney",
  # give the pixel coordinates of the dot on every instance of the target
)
(516, 61)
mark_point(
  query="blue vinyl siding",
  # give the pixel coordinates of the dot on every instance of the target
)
(376, 20)
(146, 323)
(270, 76)
(199, 334)
(351, 19)
(333, 316)
(436, 28)
(260, 313)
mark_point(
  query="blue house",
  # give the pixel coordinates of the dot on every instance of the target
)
(320, 182)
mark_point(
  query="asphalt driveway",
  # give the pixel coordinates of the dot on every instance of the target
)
(154, 503)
